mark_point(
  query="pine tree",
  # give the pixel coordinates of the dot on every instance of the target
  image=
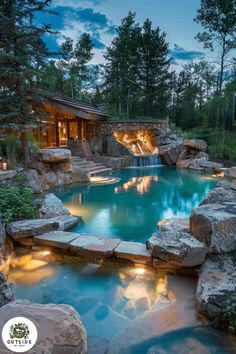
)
(153, 70)
(21, 51)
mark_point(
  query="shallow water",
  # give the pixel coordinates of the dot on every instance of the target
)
(132, 309)
(130, 209)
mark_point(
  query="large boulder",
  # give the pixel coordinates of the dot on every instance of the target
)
(220, 195)
(175, 245)
(216, 290)
(30, 228)
(32, 180)
(59, 327)
(55, 155)
(113, 148)
(195, 144)
(6, 291)
(52, 206)
(215, 226)
(169, 153)
(196, 160)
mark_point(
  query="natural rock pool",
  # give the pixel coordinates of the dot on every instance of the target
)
(128, 309)
(130, 209)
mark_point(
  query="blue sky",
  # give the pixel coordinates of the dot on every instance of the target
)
(100, 18)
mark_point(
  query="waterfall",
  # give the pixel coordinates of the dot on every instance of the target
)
(146, 161)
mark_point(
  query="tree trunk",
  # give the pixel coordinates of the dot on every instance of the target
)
(25, 146)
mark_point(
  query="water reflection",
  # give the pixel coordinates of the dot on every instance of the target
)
(141, 184)
(131, 209)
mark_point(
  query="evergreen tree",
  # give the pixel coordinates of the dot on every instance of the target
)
(122, 67)
(21, 51)
(153, 70)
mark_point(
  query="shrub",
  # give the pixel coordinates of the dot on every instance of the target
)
(16, 202)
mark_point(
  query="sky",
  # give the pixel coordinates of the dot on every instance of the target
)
(101, 17)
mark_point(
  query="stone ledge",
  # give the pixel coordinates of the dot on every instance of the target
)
(133, 251)
(7, 175)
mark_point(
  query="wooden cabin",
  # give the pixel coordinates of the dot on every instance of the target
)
(68, 121)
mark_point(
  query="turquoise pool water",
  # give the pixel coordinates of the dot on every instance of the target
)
(129, 310)
(130, 209)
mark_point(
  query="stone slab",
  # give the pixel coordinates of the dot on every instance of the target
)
(66, 222)
(133, 251)
(232, 172)
(30, 228)
(57, 239)
(90, 246)
(55, 155)
(7, 175)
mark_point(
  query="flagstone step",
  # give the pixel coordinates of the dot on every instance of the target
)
(94, 246)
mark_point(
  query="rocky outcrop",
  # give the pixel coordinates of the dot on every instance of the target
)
(215, 226)
(194, 157)
(169, 148)
(55, 155)
(113, 148)
(217, 288)
(52, 206)
(30, 228)
(175, 245)
(33, 181)
(59, 327)
(6, 246)
(195, 144)
(223, 193)
(6, 291)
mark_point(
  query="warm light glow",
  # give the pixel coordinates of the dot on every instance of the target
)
(139, 271)
(46, 253)
(220, 174)
(142, 184)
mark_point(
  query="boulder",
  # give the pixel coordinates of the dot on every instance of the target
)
(59, 327)
(169, 153)
(194, 160)
(232, 172)
(6, 291)
(113, 148)
(216, 287)
(32, 180)
(50, 178)
(195, 144)
(40, 167)
(30, 228)
(79, 175)
(6, 245)
(215, 226)
(52, 206)
(65, 167)
(4, 175)
(63, 178)
(55, 155)
(233, 185)
(175, 245)
(220, 195)
(66, 222)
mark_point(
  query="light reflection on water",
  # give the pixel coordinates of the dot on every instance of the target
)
(131, 209)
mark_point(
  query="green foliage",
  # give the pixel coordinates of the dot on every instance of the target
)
(17, 202)
(137, 70)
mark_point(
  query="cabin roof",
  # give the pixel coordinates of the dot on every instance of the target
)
(72, 105)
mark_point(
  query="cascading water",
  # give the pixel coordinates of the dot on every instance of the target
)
(146, 161)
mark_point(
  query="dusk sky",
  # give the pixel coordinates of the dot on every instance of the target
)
(100, 18)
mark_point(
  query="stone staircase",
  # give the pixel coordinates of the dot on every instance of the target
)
(89, 167)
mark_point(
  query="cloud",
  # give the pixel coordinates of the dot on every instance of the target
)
(74, 3)
(179, 53)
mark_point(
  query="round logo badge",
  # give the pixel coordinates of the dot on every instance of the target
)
(19, 334)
